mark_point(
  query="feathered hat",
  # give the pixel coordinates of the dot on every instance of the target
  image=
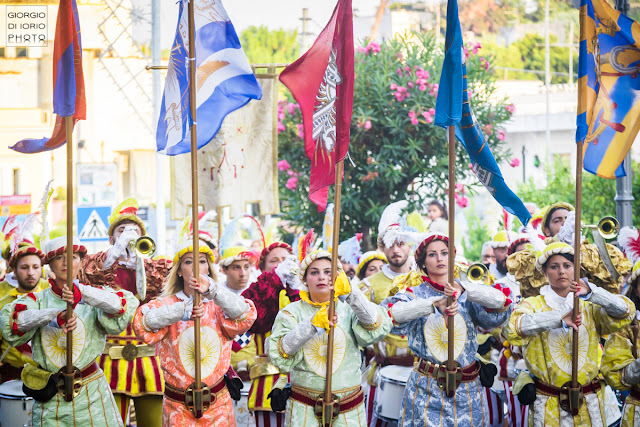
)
(629, 241)
(126, 211)
(393, 226)
(19, 240)
(237, 253)
(556, 248)
(349, 251)
(185, 242)
(234, 234)
(208, 227)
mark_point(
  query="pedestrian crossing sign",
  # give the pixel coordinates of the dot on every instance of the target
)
(93, 223)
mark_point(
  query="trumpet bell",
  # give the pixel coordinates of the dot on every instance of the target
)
(477, 272)
(145, 246)
(608, 227)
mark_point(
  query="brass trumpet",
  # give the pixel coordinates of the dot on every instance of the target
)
(608, 227)
(476, 273)
(144, 246)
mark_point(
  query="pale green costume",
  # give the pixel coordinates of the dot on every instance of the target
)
(94, 405)
(307, 366)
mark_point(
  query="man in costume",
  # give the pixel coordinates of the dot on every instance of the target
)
(25, 275)
(276, 287)
(395, 238)
(236, 263)
(487, 255)
(500, 243)
(41, 318)
(131, 366)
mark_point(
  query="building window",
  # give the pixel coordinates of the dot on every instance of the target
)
(21, 52)
(16, 181)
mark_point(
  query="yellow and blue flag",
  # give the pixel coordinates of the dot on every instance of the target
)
(608, 87)
(453, 109)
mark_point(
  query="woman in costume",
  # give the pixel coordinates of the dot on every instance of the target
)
(41, 319)
(437, 214)
(168, 322)
(420, 313)
(297, 344)
(542, 325)
(370, 263)
(620, 361)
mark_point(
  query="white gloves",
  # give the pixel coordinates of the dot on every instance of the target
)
(32, 319)
(366, 311)
(119, 249)
(567, 231)
(233, 305)
(406, 311)
(288, 271)
(296, 338)
(161, 317)
(106, 301)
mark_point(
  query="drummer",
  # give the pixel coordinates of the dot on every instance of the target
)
(420, 312)
(25, 275)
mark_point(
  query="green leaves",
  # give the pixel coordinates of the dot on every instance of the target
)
(397, 150)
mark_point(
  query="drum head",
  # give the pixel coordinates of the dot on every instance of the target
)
(396, 374)
(12, 390)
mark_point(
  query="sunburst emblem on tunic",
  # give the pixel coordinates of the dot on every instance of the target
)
(210, 348)
(560, 347)
(436, 336)
(54, 343)
(315, 351)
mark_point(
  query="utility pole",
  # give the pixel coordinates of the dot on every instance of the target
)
(156, 57)
(547, 82)
(305, 31)
(624, 194)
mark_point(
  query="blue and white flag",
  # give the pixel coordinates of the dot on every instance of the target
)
(224, 79)
(454, 109)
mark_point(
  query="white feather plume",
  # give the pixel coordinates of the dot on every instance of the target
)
(629, 240)
(391, 215)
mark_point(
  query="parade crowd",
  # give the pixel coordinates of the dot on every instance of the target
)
(264, 327)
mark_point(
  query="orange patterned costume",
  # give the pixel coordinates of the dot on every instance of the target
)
(175, 349)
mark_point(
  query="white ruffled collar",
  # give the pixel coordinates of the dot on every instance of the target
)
(10, 278)
(386, 270)
(555, 301)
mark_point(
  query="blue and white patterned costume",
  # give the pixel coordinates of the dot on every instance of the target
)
(424, 404)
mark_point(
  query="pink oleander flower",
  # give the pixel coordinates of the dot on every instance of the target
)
(466, 52)
(432, 111)
(511, 108)
(459, 187)
(292, 183)
(411, 85)
(501, 135)
(367, 124)
(362, 49)
(283, 165)
(281, 127)
(281, 115)
(414, 121)
(399, 71)
(428, 119)
(422, 88)
(469, 93)
(375, 47)
(291, 108)
(514, 163)
(488, 130)
(463, 201)
(393, 86)
(411, 114)
(300, 127)
(434, 89)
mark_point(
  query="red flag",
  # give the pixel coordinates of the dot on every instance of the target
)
(321, 81)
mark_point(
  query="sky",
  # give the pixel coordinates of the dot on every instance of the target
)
(274, 14)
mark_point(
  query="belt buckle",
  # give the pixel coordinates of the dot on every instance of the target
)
(198, 401)
(130, 352)
(326, 413)
(571, 398)
(448, 381)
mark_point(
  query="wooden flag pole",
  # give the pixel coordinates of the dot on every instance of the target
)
(201, 398)
(450, 385)
(69, 371)
(574, 390)
(328, 408)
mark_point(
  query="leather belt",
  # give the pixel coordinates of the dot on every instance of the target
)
(381, 360)
(469, 373)
(553, 391)
(179, 394)
(347, 403)
(89, 370)
(128, 352)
